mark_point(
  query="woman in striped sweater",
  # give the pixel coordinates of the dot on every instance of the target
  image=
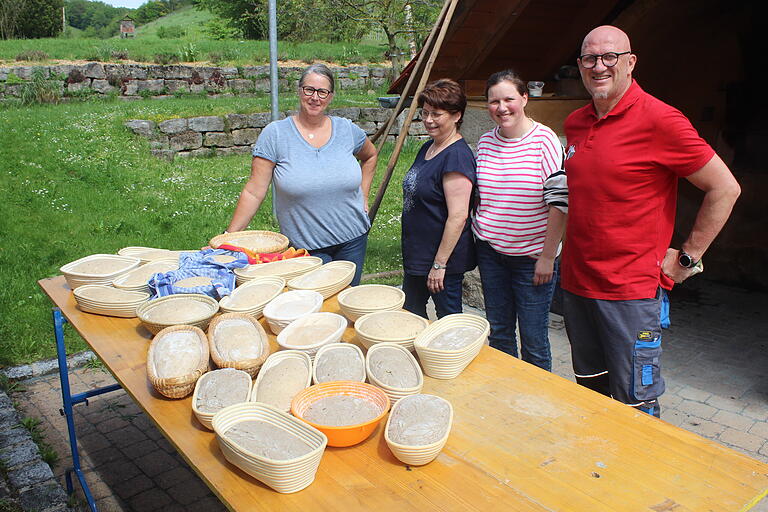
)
(519, 221)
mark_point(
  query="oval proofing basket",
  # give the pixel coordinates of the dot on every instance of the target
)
(327, 351)
(271, 287)
(274, 360)
(394, 393)
(205, 418)
(448, 364)
(339, 274)
(155, 326)
(250, 366)
(350, 434)
(416, 455)
(181, 386)
(284, 476)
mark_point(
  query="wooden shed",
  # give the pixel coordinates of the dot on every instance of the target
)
(702, 56)
(127, 27)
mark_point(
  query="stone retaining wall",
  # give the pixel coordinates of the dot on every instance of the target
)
(236, 133)
(139, 80)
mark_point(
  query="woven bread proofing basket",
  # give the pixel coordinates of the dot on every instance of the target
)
(256, 309)
(76, 276)
(253, 240)
(369, 298)
(178, 387)
(346, 272)
(415, 455)
(328, 350)
(250, 366)
(287, 337)
(205, 418)
(287, 269)
(394, 393)
(389, 321)
(284, 476)
(155, 327)
(274, 360)
(448, 364)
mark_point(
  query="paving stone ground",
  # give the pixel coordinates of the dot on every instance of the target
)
(715, 360)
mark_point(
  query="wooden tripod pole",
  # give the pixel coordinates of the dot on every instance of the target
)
(384, 129)
(411, 111)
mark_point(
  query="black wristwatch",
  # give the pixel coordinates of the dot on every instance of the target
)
(685, 260)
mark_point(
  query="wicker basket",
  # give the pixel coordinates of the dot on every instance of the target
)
(284, 476)
(273, 361)
(394, 393)
(148, 254)
(251, 366)
(137, 279)
(328, 351)
(181, 386)
(97, 269)
(154, 326)
(448, 364)
(277, 316)
(205, 418)
(399, 327)
(106, 300)
(287, 269)
(271, 288)
(287, 339)
(369, 298)
(417, 455)
(255, 241)
(346, 435)
(327, 280)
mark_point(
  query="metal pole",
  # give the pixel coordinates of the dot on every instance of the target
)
(273, 58)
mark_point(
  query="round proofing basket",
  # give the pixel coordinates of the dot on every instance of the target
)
(257, 308)
(394, 393)
(205, 418)
(274, 360)
(398, 319)
(284, 339)
(284, 476)
(330, 288)
(277, 320)
(76, 278)
(154, 326)
(287, 269)
(387, 298)
(178, 387)
(250, 366)
(328, 350)
(448, 364)
(256, 241)
(350, 434)
(414, 455)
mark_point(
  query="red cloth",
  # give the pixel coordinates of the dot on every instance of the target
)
(622, 194)
(266, 257)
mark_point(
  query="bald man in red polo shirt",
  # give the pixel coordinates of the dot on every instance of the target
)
(625, 153)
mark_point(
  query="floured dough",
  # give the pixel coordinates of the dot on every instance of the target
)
(339, 364)
(322, 277)
(178, 311)
(455, 338)
(237, 339)
(142, 274)
(222, 388)
(394, 368)
(251, 295)
(419, 420)
(341, 410)
(100, 266)
(267, 440)
(176, 354)
(281, 382)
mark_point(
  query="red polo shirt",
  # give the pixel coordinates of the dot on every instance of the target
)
(622, 182)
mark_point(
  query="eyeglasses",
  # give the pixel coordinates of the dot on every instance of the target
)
(609, 59)
(321, 93)
(424, 114)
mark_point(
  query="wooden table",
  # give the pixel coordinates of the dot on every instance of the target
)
(522, 439)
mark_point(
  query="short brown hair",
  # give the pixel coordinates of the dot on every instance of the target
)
(445, 94)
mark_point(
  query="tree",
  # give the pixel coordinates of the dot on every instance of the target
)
(10, 15)
(30, 18)
(398, 19)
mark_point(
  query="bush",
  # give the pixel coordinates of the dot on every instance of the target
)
(33, 55)
(40, 90)
(172, 32)
(165, 58)
(120, 54)
(188, 53)
(220, 30)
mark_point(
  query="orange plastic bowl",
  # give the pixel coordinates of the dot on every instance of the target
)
(347, 435)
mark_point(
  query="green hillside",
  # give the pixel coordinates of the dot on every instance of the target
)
(187, 19)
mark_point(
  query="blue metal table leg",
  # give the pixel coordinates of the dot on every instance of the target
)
(69, 401)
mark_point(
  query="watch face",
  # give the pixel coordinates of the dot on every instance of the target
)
(685, 260)
(436, 266)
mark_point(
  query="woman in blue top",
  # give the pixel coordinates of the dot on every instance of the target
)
(436, 238)
(322, 167)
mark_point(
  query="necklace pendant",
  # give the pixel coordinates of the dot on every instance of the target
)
(311, 135)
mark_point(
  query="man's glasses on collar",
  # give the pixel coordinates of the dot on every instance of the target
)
(609, 59)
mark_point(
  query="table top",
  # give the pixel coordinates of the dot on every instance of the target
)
(522, 438)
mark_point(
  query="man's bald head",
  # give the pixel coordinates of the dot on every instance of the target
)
(607, 34)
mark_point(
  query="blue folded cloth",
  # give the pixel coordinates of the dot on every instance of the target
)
(199, 264)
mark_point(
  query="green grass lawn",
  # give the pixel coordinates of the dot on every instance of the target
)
(76, 182)
(188, 18)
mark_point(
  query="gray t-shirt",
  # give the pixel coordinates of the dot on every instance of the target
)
(318, 198)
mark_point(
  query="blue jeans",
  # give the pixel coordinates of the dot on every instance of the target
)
(353, 250)
(417, 294)
(510, 298)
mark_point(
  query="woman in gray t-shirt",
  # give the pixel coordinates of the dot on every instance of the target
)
(322, 167)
